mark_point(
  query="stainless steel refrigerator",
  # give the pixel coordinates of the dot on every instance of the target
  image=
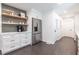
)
(36, 30)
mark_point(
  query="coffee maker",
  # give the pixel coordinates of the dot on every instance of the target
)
(20, 28)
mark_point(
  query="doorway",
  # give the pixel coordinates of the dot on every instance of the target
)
(68, 27)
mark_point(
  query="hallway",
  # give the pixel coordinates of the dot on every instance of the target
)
(64, 46)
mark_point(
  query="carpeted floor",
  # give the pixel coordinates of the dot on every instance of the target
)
(64, 46)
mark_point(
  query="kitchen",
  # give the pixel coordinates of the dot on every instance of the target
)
(26, 24)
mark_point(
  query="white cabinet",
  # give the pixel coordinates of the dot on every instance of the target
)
(13, 41)
(25, 40)
(10, 47)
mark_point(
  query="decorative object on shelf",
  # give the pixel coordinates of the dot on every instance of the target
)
(8, 22)
(19, 14)
(9, 12)
(22, 14)
(12, 16)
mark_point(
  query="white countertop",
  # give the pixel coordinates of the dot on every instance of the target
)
(15, 32)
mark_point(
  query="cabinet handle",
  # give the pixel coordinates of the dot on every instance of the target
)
(12, 46)
(12, 40)
(54, 30)
(25, 42)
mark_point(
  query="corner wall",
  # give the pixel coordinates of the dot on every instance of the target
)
(0, 25)
(0, 18)
(51, 23)
(32, 13)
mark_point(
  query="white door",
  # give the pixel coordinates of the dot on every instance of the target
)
(68, 27)
(54, 29)
(77, 26)
(58, 28)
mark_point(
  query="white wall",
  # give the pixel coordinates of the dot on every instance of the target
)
(0, 25)
(77, 26)
(49, 23)
(68, 27)
(32, 14)
(0, 18)
(77, 23)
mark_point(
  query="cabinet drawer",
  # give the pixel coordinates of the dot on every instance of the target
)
(25, 43)
(23, 36)
(17, 36)
(10, 40)
(10, 47)
(28, 34)
(6, 36)
(23, 39)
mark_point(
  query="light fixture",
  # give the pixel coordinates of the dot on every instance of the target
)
(59, 3)
(65, 11)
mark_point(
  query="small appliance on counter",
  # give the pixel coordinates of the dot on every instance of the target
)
(20, 28)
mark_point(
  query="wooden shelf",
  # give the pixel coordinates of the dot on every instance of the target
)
(12, 16)
(13, 24)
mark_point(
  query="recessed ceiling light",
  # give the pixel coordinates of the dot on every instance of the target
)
(65, 11)
(59, 3)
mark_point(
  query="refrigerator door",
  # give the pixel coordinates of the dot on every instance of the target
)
(36, 30)
(36, 26)
(38, 37)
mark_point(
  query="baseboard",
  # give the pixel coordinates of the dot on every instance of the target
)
(47, 42)
(58, 38)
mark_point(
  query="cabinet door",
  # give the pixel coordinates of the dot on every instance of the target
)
(10, 47)
(10, 38)
(24, 43)
(25, 40)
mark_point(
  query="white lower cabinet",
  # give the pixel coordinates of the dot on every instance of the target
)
(13, 41)
(10, 47)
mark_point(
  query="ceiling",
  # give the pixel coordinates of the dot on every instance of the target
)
(71, 10)
(42, 7)
(47, 7)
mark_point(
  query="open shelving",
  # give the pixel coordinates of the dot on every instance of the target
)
(12, 17)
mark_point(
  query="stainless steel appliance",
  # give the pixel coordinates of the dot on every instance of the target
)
(36, 30)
